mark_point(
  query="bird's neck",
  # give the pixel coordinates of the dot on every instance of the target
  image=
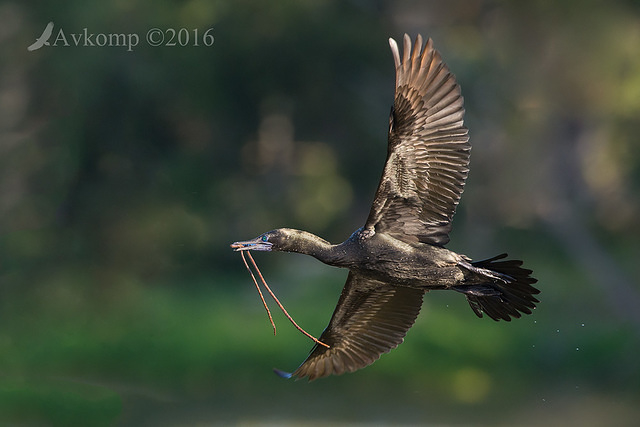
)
(309, 244)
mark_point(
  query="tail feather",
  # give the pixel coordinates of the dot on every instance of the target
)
(507, 293)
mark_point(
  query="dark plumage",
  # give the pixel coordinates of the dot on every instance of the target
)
(398, 255)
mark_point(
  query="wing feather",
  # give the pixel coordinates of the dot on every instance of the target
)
(371, 318)
(428, 155)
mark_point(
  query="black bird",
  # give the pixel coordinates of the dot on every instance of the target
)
(399, 254)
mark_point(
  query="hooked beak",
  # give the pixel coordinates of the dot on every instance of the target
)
(252, 245)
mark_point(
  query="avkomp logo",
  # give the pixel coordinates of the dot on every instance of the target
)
(169, 37)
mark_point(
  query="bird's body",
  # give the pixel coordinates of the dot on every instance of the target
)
(399, 254)
(384, 258)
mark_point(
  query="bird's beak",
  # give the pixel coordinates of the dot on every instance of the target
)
(252, 245)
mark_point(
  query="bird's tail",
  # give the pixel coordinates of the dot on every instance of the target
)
(506, 294)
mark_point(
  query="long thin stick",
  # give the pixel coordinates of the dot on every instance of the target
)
(259, 291)
(264, 282)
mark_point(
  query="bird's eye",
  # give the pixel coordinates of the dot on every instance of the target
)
(265, 238)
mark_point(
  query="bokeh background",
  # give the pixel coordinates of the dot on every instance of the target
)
(124, 176)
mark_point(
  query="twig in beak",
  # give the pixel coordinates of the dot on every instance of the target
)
(258, 288)
(264, 282)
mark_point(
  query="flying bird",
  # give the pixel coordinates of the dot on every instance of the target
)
(399, 254)
(43, 39)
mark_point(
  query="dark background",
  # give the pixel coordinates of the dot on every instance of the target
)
(124, 176)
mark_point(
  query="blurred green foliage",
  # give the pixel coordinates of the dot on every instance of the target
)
(124, 175)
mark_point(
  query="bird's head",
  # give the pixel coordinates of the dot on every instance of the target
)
(274, 240)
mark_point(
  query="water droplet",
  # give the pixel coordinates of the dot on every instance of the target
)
(577, 348)
(582, 325)
(558, 330)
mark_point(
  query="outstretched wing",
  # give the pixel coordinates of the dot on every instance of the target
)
(428, 153)
(371, 318)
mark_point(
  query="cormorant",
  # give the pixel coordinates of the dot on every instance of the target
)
(399, 254)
